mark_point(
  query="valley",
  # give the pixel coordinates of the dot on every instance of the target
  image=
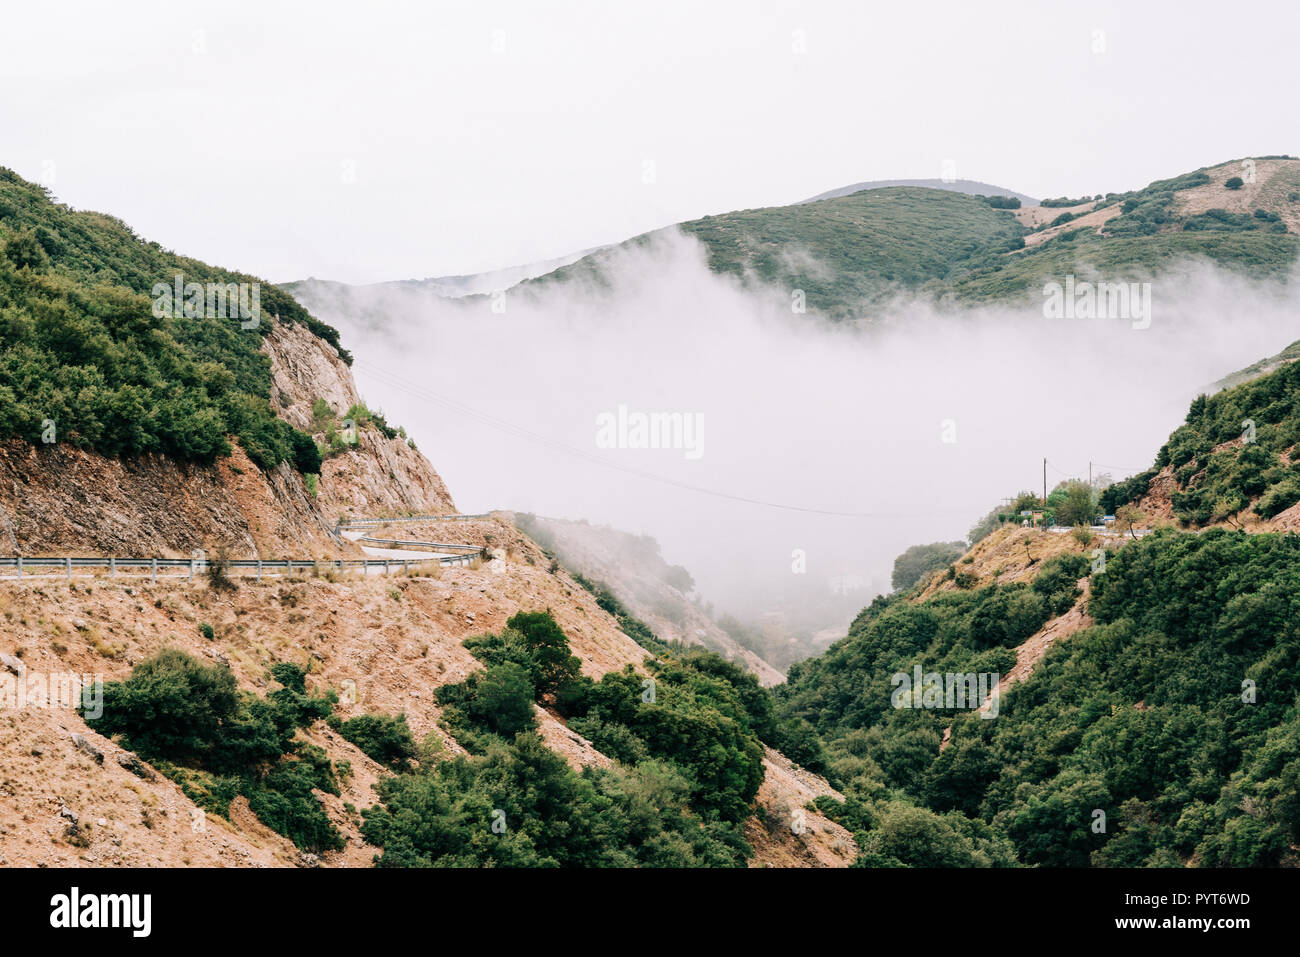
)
(422, 687)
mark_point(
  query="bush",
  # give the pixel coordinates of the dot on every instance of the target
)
(1007, 617)
(216, 741)
(218, 571)
(705, 716)
(1234, 182)
(172, 707)
(521, 805)
(25, 252)
(1122, 493)
(548, 649)
(1279, 498)
(503, 700)
(1072, 504)
(919, 560)
(384, 739)
(306, 453)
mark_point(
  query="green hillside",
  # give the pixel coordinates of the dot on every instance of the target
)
(845, 250)
(81, 348)
(1119, 258)
(1173, 719)
(1257, 369)
(848, 253)
(1149, 235)
(1217, 481)
(861, 245)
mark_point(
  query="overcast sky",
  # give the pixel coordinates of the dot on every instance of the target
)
(365, 142)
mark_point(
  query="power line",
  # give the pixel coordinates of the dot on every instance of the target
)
(396, 381)
(1117, 468)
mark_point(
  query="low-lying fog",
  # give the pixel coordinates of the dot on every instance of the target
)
(919, 423)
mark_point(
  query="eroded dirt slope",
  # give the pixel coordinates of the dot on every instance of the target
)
(58, 500)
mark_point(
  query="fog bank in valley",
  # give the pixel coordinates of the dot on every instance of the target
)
(911, 426)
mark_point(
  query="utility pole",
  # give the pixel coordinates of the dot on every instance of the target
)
(1044, 480)
(1089, 475)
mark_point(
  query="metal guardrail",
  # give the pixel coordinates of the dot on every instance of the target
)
(467, 554)
(1098, 530)
(259, 565)
(396, 542)
(369, 522)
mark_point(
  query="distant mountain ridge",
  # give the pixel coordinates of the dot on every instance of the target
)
(851, 251)
(969, 186)
(485, 283)
(454, 287)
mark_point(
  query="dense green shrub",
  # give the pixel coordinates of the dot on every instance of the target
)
(521, 805)
(548, 649)
(907, 836)
(1224, 221)
(215, 741)
(25, 252)
(382, 738)
(1073, 503)
(700, 713)
(503, 699)
(1126, 491)
(919, 560)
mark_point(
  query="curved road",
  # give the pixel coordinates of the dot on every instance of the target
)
(382, 555)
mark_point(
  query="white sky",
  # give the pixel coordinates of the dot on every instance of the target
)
(222, 130)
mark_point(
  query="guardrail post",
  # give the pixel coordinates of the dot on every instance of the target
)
(191, 569)
(20, 566)
(69, 567)
(385, 566)
(259, 569)
(112, 566)
(153, 571)
(406, 568)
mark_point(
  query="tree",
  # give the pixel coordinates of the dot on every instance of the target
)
(1234, 183)
(503, 700)
(1127, 518)
(679, 578)
(25, 252)
(172, 707)
(548, 648)
(1074, 504)
(919, 560)
(386, 740)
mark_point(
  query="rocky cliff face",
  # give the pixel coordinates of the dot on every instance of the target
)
(58, 500)
(380, 476)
